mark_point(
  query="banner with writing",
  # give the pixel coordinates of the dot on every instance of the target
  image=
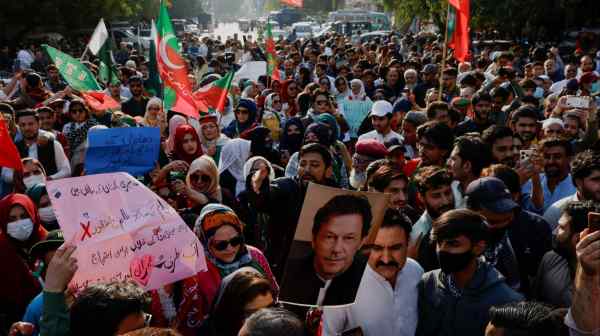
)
(133, 150)
(123, 231)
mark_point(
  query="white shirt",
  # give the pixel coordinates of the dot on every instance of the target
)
(380, 310)
(63, 167)
(25, 58)
(380, 137)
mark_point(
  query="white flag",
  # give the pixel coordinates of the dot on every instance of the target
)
(98, 38)
(251, 70)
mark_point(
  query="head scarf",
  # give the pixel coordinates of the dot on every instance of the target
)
(6, 205)
(361, 95)
(250, 163)
(160, 118)
(206, 165)
(269, 102)
(285, 98)
(211, 218)
(235, 129)
(330, 121)
(322, 131)
(175, 122)
(179, 153)
(36, 192)
(292, 144)
(344, 94)
(233, 157)
(258, 141)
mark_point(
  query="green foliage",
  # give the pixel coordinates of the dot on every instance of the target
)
(185, 9)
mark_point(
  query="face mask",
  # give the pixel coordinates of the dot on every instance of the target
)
(32, 180)
(47, 214)
(21, 229)
(453, 262)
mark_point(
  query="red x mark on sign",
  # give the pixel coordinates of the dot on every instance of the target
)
(86, 230)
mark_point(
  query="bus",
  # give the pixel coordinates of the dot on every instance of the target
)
(378, 20)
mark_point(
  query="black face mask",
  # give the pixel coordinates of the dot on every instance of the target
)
(294, 142)
(496, 235)
(454, 262)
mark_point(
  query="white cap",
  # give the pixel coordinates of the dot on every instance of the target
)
(130, 64)
(552, 121)
(381, 108)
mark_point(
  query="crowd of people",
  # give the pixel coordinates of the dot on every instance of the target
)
(492, 166)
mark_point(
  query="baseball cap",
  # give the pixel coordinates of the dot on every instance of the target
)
(381, 108)
(54, 239)
(492, 194)
(429, 68)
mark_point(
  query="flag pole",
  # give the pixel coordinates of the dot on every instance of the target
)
(444, 51)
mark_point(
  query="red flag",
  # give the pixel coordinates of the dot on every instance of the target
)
(100, 101)
(458, 28)
(272, 69)
(9, 155)
(294, 3)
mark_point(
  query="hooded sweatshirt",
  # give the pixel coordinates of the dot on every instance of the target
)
(443, 314)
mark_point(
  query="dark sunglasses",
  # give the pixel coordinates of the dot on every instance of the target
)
(223, 244)
(204, 178)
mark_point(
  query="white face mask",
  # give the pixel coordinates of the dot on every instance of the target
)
(539, 92)
(32, 180)
(21, 229)
(47, 214)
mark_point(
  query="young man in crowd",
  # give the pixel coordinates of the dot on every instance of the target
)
(381, 118)
(468, 158)
(482, 115)
(136, 105)
(524, 124)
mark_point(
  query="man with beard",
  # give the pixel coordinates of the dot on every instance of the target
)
(386, 301)
(54, 83)
(554, 280)
(434, 141)
(524, 124)
(482, 107)
(41, 145)
(283, 198)
(435, 192)
(136, 105)
(556, 180)
(500, 139)
(455, 299)
(429, 80)
(366, 152)
(468, 158)
(585, 172)
(518, 239)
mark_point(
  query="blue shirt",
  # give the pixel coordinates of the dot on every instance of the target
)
(563, 189)
(33, 314)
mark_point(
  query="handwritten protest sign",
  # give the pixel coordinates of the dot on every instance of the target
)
(131, 149)
(123, 231)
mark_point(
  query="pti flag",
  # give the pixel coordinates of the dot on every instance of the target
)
(458, 28)
(214, 94)
(272, 69)
(79, 77)
(100, 45)
(9, 155)
(173, 69)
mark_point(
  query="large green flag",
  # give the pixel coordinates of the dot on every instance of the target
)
(153, 85)
(76, 74)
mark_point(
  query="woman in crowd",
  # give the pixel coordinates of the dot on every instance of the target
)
(242, 293)
(76, 131)
(39, 195)
(342, 89)
(289, 92)
(355, 107)
(291, 139)
(231, 165)
(272, 118)
(155, 115)
(20, 223)
(174, 122)
(201, 184)
(261, 143)
(211, 138)
(187, 144)
(245, 119)
(32, 174)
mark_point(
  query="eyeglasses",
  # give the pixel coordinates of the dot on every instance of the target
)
(222, 245)
(33, 172)
(204, 178)
(242, 111)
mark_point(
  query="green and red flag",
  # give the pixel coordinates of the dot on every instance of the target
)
(81, 79)
(153, 84)
(272, 69)
(458, 28)
(172, 67)
(214, 95)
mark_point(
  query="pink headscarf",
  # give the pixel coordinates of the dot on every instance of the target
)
(175, 121)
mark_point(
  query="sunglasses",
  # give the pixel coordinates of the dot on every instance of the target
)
(34, 172)
(204, 178)
(223, 244)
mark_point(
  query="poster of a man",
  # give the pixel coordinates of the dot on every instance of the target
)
(325, 266)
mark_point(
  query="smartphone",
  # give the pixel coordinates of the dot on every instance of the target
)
(525, 154)
(593, 221)
(578, 102)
